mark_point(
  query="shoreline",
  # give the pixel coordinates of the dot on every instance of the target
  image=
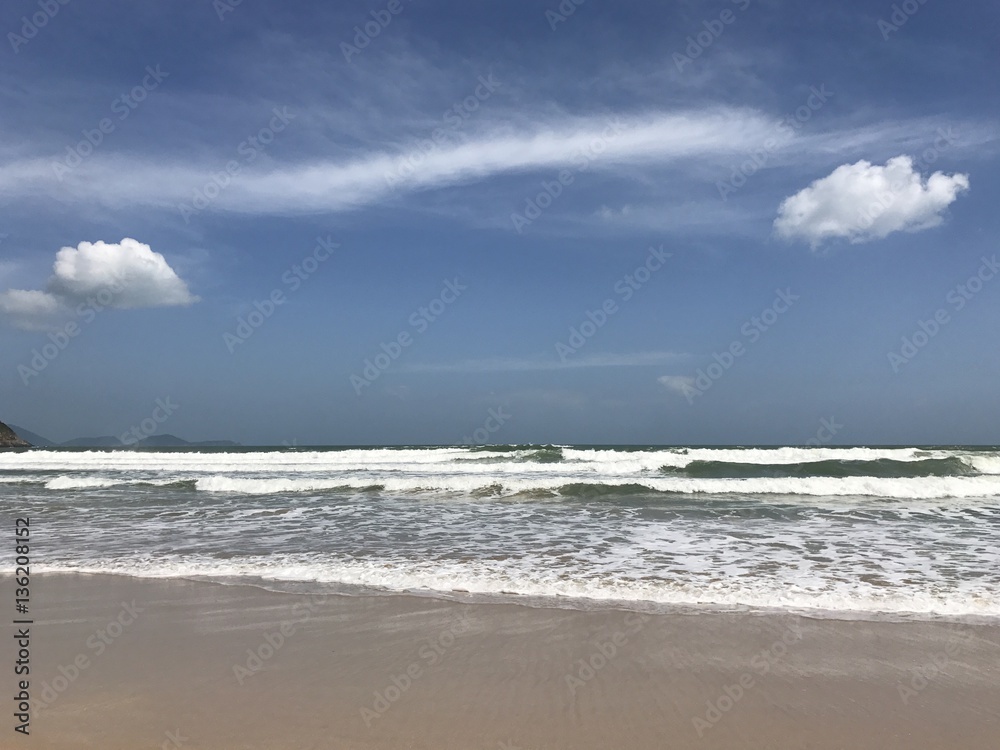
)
(227, 665)
(539, 601)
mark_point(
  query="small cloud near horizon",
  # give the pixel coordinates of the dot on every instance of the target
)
(679, 384)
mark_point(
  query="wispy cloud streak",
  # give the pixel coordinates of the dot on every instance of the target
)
(320, 186)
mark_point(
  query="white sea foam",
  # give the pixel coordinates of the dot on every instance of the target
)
(476, 577)
(81, 483)
(984, 464)
(78, 483)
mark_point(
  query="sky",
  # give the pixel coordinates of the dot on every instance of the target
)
(419, 222)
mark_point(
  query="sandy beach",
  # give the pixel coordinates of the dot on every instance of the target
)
(120, 662)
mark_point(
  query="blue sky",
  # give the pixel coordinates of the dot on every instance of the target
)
(411, 218)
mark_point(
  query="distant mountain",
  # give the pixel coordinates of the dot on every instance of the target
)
(172, 441)
(104, 441)
(36, 440)
(10, 439)
(161, 441)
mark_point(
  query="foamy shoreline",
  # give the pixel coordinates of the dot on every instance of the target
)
(235, 666)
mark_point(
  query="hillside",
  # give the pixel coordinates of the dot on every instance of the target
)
(35, 439)
(9, 438)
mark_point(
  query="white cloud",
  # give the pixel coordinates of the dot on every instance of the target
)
(609, 214)
(29, 309)
(679, 384)
(119, 275)
(864, 202)
(138, 276)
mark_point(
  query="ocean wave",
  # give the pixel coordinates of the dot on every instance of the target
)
(569, 486)
(411, 458)
(879, 467)
(540, 455)
(529, 471)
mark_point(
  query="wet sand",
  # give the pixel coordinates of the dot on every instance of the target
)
(120, 663)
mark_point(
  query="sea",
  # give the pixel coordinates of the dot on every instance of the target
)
(841, 532)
